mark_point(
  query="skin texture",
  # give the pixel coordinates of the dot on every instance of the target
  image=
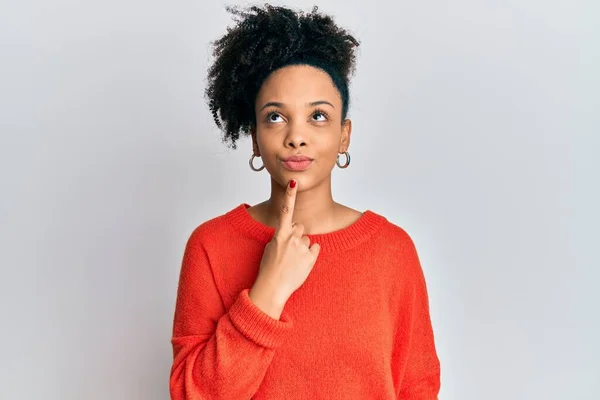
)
(296, 126)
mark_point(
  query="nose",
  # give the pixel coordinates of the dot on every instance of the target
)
(296, 136)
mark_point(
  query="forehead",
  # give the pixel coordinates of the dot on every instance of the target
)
(298, 83)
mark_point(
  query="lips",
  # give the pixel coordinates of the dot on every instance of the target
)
(297, 163)
(298, 158)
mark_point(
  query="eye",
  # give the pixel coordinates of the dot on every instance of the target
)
(272, 117)
(320, 116)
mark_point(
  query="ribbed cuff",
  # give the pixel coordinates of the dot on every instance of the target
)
(256, 325)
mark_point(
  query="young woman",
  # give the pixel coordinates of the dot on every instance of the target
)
(298, 297)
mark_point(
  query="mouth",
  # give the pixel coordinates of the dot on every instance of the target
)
(297, 165)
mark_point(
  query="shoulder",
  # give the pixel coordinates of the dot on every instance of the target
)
(400, 251)
(394, 241)
(213, 231)
(393, 233)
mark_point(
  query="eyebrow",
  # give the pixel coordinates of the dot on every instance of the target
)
(281, 105)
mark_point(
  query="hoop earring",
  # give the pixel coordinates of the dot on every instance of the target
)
(252, 164)
(337, 160)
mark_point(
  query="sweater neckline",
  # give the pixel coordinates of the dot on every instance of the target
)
(331, 242)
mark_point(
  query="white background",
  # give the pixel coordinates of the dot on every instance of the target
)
(475, 129)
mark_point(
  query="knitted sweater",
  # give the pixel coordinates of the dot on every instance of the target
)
(357, 328)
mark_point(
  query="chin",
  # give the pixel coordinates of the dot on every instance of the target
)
(303, 180)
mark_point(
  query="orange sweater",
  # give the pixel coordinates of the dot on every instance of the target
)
(358, 328)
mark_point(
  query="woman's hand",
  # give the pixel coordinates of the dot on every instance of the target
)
(287, 261)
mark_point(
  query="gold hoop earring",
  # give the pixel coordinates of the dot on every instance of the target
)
(252, 164)
(337, 160)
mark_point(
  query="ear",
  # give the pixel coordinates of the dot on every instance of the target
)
(346, 132)
(255, 149)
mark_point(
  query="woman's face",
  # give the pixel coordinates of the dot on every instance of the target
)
(299, 112)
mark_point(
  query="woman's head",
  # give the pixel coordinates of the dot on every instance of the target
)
(263, 41)
(282, 76)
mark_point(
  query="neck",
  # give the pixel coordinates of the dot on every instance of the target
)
(314, 207)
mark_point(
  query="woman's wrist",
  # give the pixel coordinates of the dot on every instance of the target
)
(267, 300)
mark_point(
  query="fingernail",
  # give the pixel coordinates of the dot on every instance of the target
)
(292, 183)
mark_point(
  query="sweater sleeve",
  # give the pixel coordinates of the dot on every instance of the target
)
(421, 379)
(218, 353)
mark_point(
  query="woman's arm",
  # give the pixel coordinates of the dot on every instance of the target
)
(218, 353)
(421, 380)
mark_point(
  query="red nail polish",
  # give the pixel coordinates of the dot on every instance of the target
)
(292, 183)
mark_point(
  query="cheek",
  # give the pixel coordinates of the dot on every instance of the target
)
(268, 148)
(328, 152)
(262, 140)
(332, 141)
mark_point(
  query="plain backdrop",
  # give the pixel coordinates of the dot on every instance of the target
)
(475, 129)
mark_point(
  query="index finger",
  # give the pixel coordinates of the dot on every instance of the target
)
(287, 210)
